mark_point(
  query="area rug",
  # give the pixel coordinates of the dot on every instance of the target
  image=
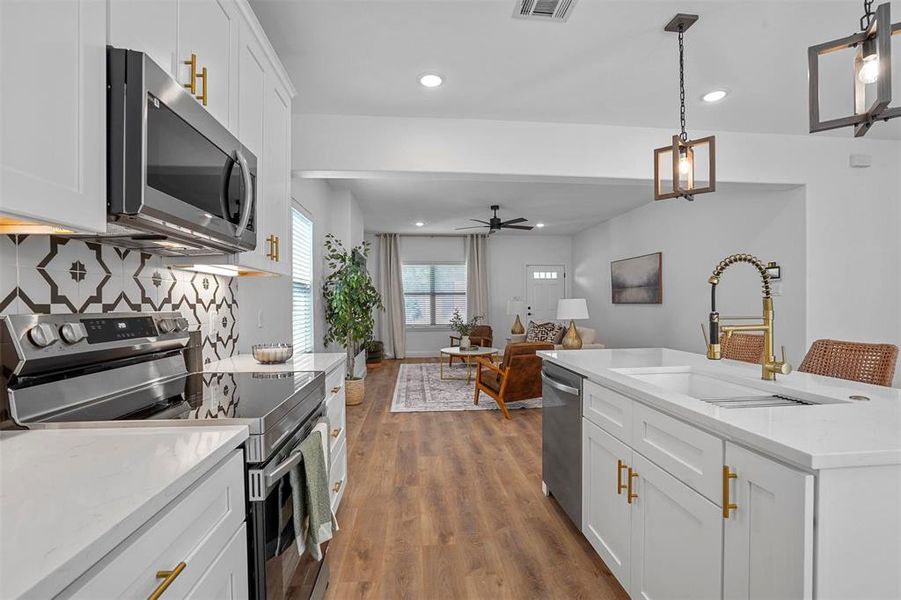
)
(419, 388)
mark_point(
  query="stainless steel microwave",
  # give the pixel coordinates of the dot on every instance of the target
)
(178, 182)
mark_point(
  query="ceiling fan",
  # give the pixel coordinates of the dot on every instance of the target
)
(495, 223)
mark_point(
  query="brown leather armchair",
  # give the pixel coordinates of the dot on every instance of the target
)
(517, 378)
(481, 336)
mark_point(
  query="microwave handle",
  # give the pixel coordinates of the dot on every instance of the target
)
(247, 205)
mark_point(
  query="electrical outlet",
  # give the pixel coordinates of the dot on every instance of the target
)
(214, 317)
(260, 319)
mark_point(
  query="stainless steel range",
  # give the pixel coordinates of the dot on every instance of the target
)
(127, 369)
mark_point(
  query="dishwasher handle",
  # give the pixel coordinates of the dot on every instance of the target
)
(559, 386)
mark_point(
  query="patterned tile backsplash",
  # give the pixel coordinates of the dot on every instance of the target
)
(48, 274)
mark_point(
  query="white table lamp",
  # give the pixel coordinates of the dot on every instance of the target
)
(572, 309)
(515, 307)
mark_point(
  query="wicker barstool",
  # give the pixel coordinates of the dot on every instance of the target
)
(745, 347)
(866, 363)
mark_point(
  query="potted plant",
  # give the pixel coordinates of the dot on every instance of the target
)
(349, 297)
(464, 327)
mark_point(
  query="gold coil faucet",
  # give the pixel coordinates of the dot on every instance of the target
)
(768, 360)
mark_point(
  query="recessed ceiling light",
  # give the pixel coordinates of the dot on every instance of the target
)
(539, 225)
(419, 224)
(431, 80)
(714, 96)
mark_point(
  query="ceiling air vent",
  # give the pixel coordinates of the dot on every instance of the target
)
(544, 10)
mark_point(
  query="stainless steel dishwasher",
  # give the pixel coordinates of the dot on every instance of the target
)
(561, 447)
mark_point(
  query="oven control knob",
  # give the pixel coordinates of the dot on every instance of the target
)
(166, 325)
(181, 324)
(42, 335)
(72, 333)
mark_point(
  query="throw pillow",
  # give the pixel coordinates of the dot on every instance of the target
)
(544, 332)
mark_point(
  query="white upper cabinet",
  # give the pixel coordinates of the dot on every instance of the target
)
(209, 30)
(53, 112)
(252, 64)
(768, 552)
(150, 26)
(276, 172)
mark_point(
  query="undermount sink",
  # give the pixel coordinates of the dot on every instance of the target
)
(716, 391)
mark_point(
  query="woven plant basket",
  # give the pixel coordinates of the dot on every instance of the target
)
(356, 389)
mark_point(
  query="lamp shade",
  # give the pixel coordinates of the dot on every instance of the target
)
(515, 307)
(572, 308)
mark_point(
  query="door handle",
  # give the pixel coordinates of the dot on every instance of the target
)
(629, 495)
(247, 205)
(559, 386)
(727, 503)
(620, 486)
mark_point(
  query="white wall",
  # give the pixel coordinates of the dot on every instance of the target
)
(853, 216)
(693, 238)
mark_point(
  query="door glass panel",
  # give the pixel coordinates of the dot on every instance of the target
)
(184, 164)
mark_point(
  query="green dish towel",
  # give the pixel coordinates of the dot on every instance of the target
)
(314, 523)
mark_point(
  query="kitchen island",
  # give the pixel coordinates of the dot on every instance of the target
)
(685, 493)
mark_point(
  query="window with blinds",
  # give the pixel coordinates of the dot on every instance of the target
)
(432, 292)
(302, 281)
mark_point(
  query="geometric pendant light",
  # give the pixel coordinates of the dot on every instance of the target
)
(685, 167)
(872, 72)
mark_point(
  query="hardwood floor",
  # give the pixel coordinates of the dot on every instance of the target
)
(449, 505)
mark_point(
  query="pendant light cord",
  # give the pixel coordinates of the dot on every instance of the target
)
(868, 15)
(684, 134)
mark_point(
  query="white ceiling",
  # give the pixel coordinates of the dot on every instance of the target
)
(610, 63)
(564, 206)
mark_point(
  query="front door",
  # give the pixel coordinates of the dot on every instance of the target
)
(545, 284)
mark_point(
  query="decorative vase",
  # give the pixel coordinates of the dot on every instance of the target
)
(517, 329)
(465, 342)
(572, 340)
(355, 390)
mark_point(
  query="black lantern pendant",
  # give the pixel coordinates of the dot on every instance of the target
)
(872, 72)
(685, 167)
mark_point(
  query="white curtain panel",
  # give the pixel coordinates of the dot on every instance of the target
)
(477, 276)
(391, 287)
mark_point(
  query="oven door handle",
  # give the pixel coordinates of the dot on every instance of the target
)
(247, 205)
(281, 469)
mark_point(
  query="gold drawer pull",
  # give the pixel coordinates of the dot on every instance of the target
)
(338, 485)
(727, 503)
(271, 255)
(336, 432)
(336, 389)
(629, 495)
(620, 486)
(203, 77)
(167, 578)
(278, 252)
(193, 64)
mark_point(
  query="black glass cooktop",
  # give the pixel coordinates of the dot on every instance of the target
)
(258, 399)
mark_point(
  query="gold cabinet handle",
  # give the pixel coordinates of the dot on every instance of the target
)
(193, 64)
(278, 252)
(336, 432)
(727, 503)
(271, 254)
(338, 485)
(203, 78)
(620, 486)
(167, 578)
(629, 495)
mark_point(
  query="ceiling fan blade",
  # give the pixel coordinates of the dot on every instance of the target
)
(473, 227)
(514, 221)
(479, 221)
(523, 227)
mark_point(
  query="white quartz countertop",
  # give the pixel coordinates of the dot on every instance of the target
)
(316, 361)
(69, 496)
(844, 434)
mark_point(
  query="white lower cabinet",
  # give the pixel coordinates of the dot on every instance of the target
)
(605, 512)
(335, 412)
(768, 537)
(677, 541)
(199, 540)
(650, 510)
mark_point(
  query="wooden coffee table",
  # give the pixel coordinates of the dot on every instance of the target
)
(468, 357)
